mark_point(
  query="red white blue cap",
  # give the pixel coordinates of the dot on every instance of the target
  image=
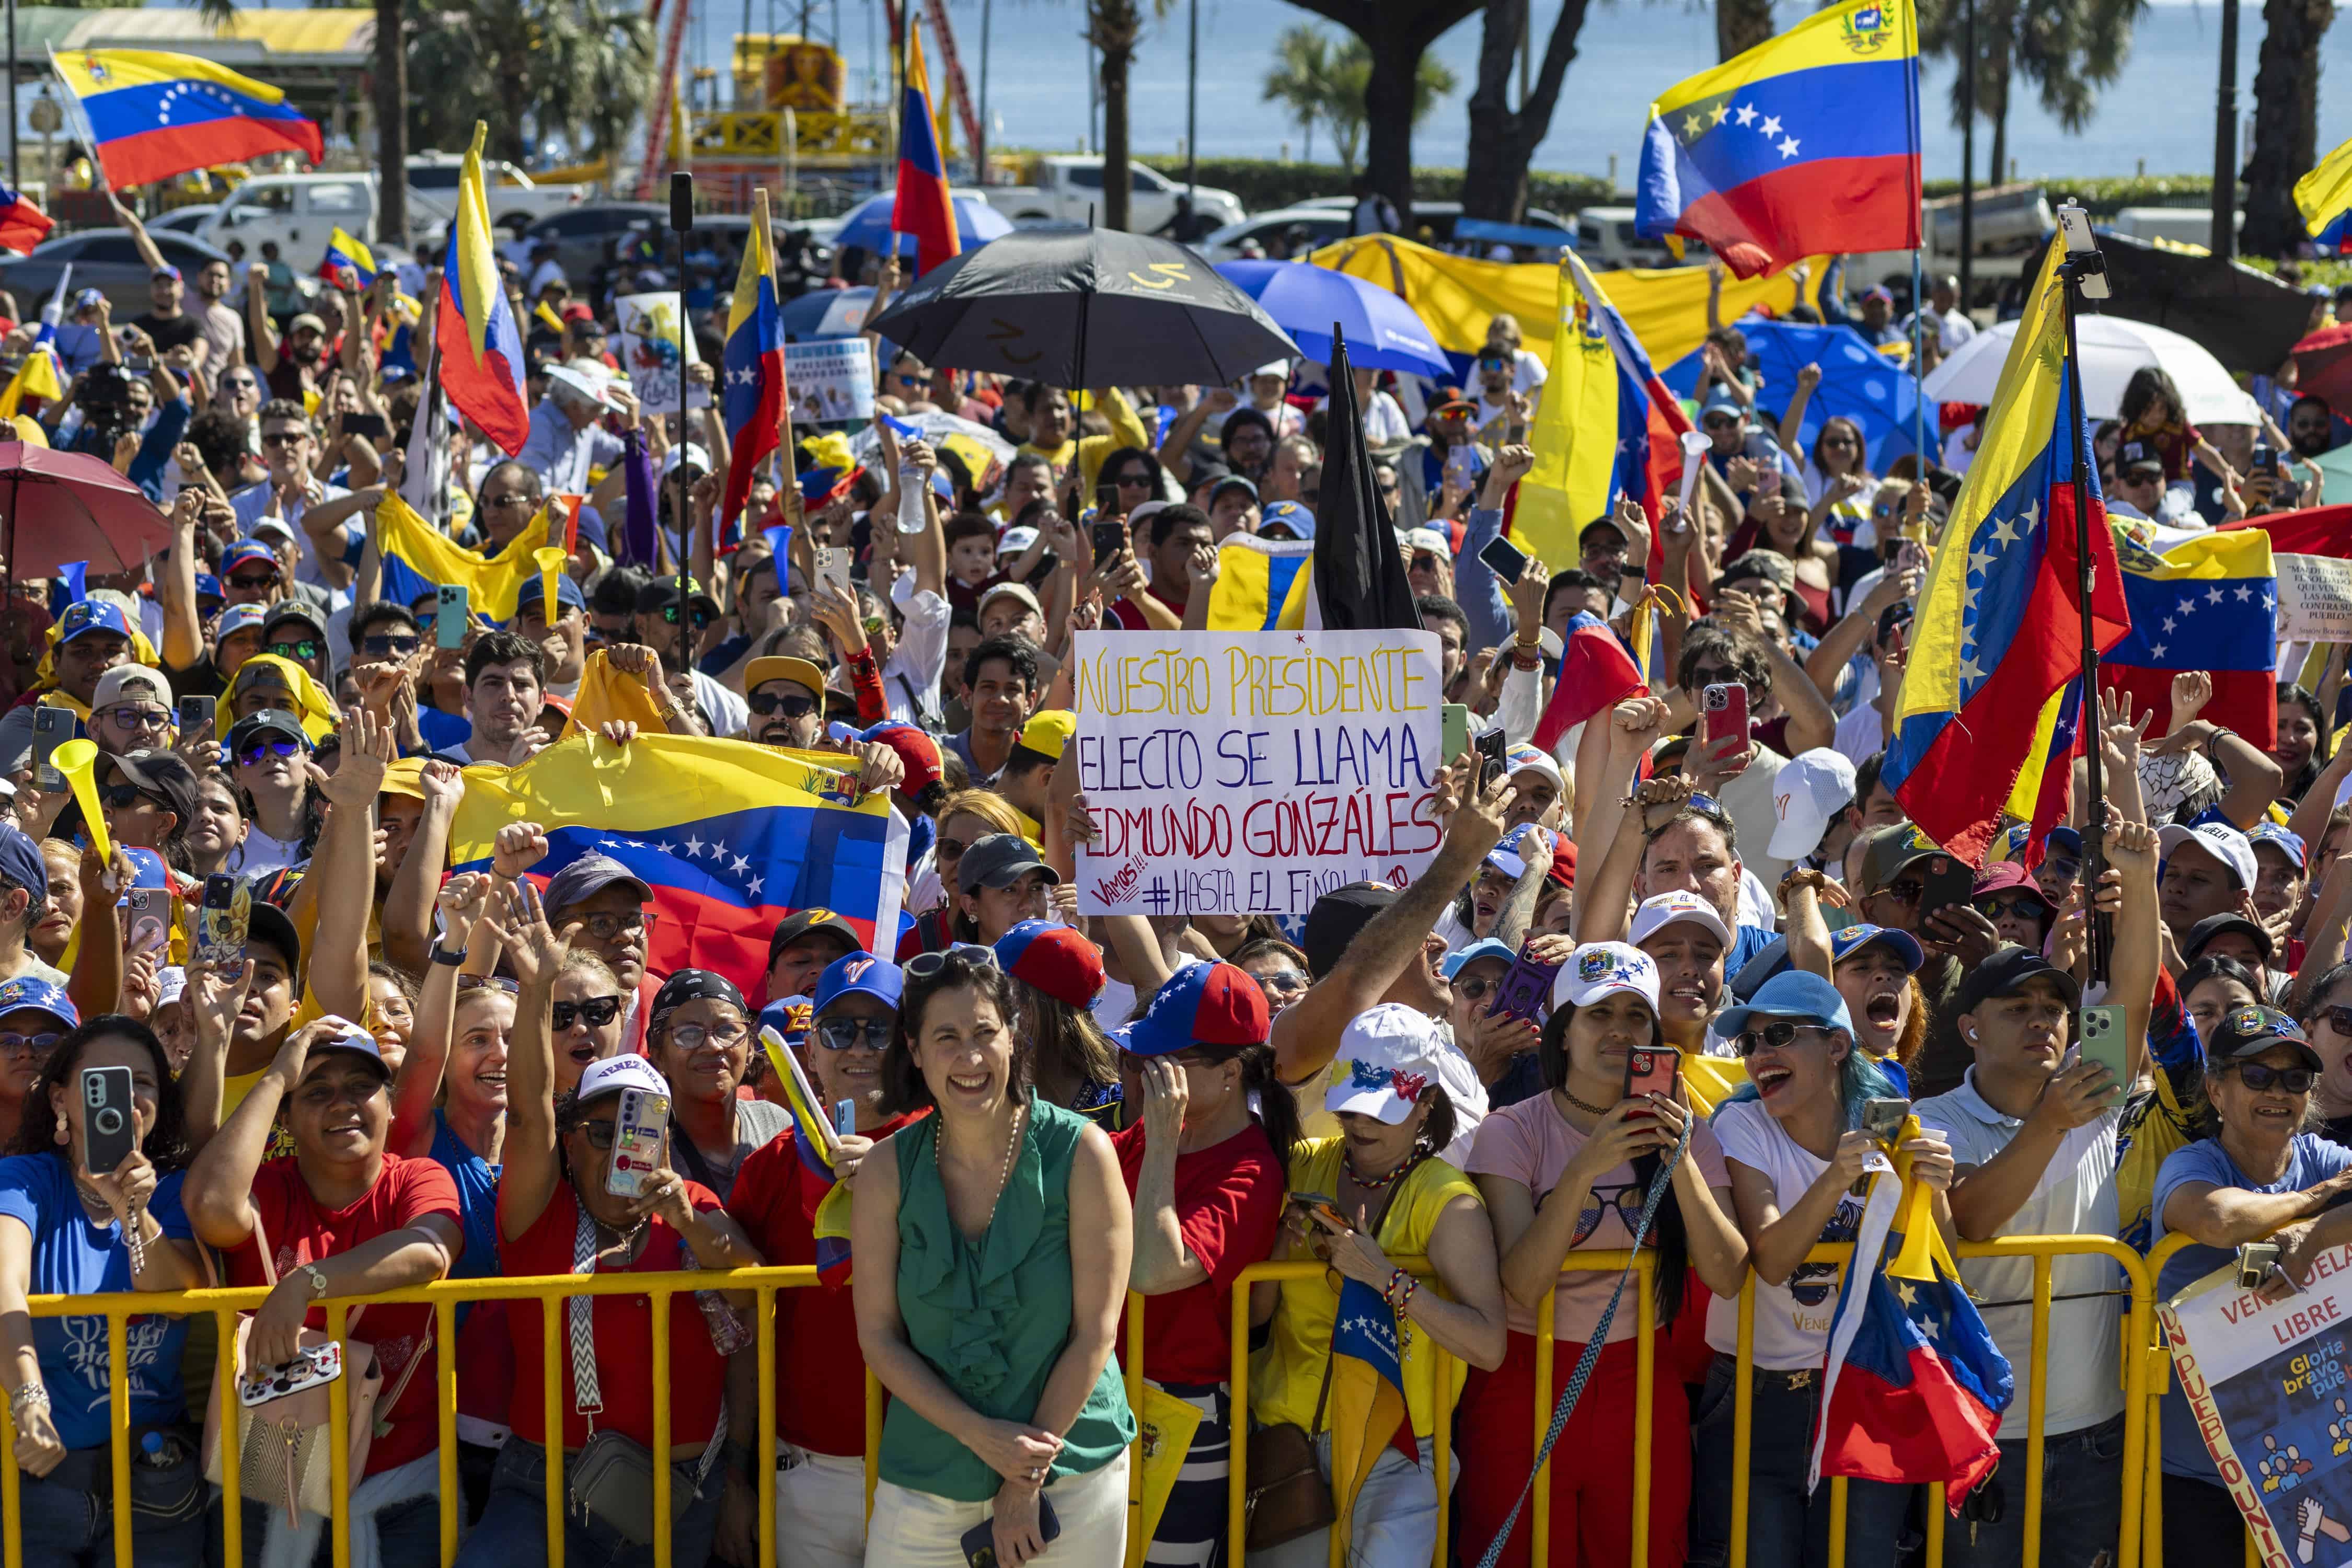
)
(1599, 969)
(27, 992)
(1525, 759)
(1388, 1059)
(91, 616)
(1205, 1004)
(1055, 959)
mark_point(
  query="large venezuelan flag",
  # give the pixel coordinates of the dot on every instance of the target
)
(921, 206)
(1367, 1398)
(1607, 425)
(2324, 199)
(481, 346)
(732, 839)
(1264, 586)
(152, 115)
(753, 366)
(1998, 634)
(1809, 142)
(418, 557)
(2202, 600)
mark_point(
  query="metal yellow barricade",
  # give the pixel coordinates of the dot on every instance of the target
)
(2156, 1357)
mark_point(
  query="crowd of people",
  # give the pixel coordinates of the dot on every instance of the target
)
(414, 1073)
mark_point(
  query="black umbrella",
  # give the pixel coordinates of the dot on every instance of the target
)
(1080, 307)
(2247, 319)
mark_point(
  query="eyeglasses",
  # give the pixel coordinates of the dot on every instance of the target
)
(249, 756)
(2295, 1080)
(518, 499)
(594, 1011)
(923, 965)
(598, 1134)
(1837, 440)
(1477, 990)
(2024, 905)
(693, 1037)
(1720, 422)
(284, 438)
(840, 1034)
(132, 717)
(27, 1045)
(701, 614)
(307, 649)
(1289, 980)
(1780, 1034)
(605, 927)
(383, 644)
(251, 579)
(793, 704)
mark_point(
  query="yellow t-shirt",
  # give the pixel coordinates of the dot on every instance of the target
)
(1286, 1377)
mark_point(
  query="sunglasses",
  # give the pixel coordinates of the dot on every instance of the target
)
(2024, 905)
(701, 614)
(518, 498)
(1720, 422)
(247, 580)
(395, 647)
(1289, 980)
(1477, 990)
(307, 649)
(840, 1034)
(792, 704)
(2295, 1080)
(923, 965)
(599, 1134)
(135, 718)
(284, 438)
(241, 384)
(251, 754)
(2339, 1018)
(1780, 1034)
(115, 796)
(594, 1011)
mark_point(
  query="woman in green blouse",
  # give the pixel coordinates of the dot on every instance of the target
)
(994, 1338)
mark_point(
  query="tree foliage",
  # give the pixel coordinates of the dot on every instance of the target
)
(2064, 51)
(1320, 82)
(530, 69)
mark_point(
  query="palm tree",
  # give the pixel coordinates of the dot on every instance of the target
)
(1396, 35)
(1317, 83)
(1300, 81)
(2286, 121)
(1114, 25)
(2065, 49)
(572, 69)
(1740, 25)
(1504, 140)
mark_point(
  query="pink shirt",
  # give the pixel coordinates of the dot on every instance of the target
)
(1531, 1143)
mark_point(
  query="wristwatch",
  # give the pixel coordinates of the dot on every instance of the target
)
(318, 1280)
(442, 955)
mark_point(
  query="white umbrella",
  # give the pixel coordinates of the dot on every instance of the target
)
(866, 445)
(2111, 349)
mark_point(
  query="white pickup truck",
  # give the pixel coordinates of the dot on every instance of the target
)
(1062, 188)
(516, 203)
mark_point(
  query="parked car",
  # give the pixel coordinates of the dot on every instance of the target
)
(584, 235)
(516, 203)
(296, 211)
(1436, 216)
(105, 259)
(2182, 225)
(185, 220)
(1322, 225)
(1605, 237)
(1065, 188)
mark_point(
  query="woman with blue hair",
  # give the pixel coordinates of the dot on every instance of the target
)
(1793, 1143)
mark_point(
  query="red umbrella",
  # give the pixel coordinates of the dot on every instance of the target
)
(2322, 366)
(62, 507)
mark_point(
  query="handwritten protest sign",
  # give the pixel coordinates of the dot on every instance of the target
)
(831, 379)
(2268, 1381)
(1250, 772)
(2315, 598)
(652, 352)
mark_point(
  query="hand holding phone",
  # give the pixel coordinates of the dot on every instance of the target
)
(1726, 709)
(637, 1132)
(1651, 1069)
(1883, 1118)
(109, 1121)
(449, 616)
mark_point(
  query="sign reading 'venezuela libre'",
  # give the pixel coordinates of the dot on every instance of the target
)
(1250, 772)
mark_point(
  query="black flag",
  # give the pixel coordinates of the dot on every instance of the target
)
(1360, 576)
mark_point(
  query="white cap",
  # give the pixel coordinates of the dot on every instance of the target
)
(1430, 539)
(2219, 839)
(1807, 796)
(264, 527)
(1016, 540)
(590, 378)
(1145, 508)
(694, 456)
(617, 1073)
(1280, 367)
(1680, 906)
(171, 981)
(1599, 968)
(1387, 1058)
(1526, 759)
(1020, 591)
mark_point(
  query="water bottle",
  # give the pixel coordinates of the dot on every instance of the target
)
(729, 1333)
(157, 1452)
(911, 485)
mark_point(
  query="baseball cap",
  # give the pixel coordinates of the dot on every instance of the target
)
(533, 591)
(692, 455)
(613, 1074)
(287, 610)
(796, 926)
(1055, 959)
(662, 591)
(1203, 1005)
(1508, 854)
(1232, 482)
(271, 927)
(306, 319)
(263, 527)
(1048, 733)
(208, 586)
(1294, 520)
(2009, 971)
(171, 985)
(168, 270)
(21, 862)
(918, 754)
(585, 877)
(91, 616)
(2217, 840)
(238, 618)
(789, 1016)
(2009, 876)
(356, 1041)
(1807, 796)
(1846, 941)
(858, 974)
(1720, 400)
(1337, 918)
(1680, 906)
(1429, 539)
(1388, 1056)
(237, 553)
(1892, 849)
(2285, 841)
(1792, 993)
(268, 722)
(1020, 591)
(29, 992)
(2212, 926)
(1280, 367)
(1526, 759)
(129, 681)
(1016, 540)
(1599, 968)
(2138, 455)
(1485, 947)
(998, 860)
(2251, 1030)
(778, 667)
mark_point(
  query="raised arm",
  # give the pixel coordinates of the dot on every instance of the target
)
(407, 919)
(533, 1167)
(417, 1089)
(257, 319)
(344, 859)
(1178, 444)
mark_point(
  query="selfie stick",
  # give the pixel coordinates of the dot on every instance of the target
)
(2085, 270)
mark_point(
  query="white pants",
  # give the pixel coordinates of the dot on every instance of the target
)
(821, 1511)
(1395, 1524)
(922, 1530)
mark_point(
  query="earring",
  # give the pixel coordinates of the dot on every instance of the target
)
(63, 1136)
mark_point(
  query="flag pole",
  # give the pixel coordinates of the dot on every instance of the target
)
(2072, 272)
(682, 219)
(1918, 371)
(786, 468)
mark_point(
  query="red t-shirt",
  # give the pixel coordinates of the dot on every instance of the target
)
(1124, 613)
(624, 1336)
(820, 1371)
(301, 1231)
(1229, 1207)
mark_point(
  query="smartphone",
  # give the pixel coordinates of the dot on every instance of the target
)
(2101, 1034)
(149, 914)
(368, 425)
(844, 1117)
(979, 1543)
(1947, 882)
(1726, 708)
(2265, 456)
(1525, 992)
(221, 919)
(196, 715)
(1507, 560)
(636, 1141)
(449, 616)
(1454, 731)
(138, 364)
(312, 1366)
(109, 1127)
(1882, 1119)
(1109, 539)
(1768, 483)
(2256, 1261)
(1492, 748)
(1650, 1070)
(2075, 225)
(1107, 501)
(833, 567)
(1323, 1203)
(52, 727)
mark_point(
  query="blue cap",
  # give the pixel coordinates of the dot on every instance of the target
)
(859, 974)
(1720, 400)
(1901, 943)
(237, 617)
(92, 616)
(789, 1016)
(591, 529)
(240, 551)
(1793, 993)
(2272, 833)
(85, 299)
(1204, 1004)
(208, 586)
(359, 1042)
(1485, 947)
(21, 862)
(146, 868)
(2066, 838)
(1287, 514)
(27, 992)
(567, 592)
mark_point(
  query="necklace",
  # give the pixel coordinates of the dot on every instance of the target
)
(1374, 1183)
(1588, 1109)
(1003, 1176)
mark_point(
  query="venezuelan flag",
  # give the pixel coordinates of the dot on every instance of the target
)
(481, 343)
(1367, 1399)
(1264, 586)
(1607, 425)
(753, 366)
(342, 251)
(826, 1198)
(22, 225)
(732, 837)
(1809, 142)
(1998, 633)
(921, 207)
(37, 377)
(418, 558)
(2199, 601)
(152, 115)
(2324, 199)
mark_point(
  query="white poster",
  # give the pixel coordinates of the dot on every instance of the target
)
(649, 350)
(830, 380)
(2315, 594)
(1251, 772)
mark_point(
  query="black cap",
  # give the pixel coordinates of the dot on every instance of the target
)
(271, 927)
(287, 610)
(2212, 926)
(164, 775)
(2138, 455)
(585, 877)
(2251, 1030)
(662, 591)
(268, 722)
(998, 860)
(798, 926)
(1338, 918)
(2007, 972)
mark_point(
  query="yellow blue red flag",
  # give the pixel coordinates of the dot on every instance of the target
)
(419, 557)
(2324, 196)
(343, 251)
(922, 207)
(479, 338)
(1368, 1404)
(152, 115)
(1263, 585)
(753, 362)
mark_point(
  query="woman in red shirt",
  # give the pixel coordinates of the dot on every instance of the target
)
(341, 1216)
(558, 1214)
(1207, 1179)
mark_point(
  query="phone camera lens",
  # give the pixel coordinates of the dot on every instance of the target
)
(108, 1121)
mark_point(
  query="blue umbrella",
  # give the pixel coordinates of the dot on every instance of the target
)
(826, 313)
(1383, 332)
(868, 226)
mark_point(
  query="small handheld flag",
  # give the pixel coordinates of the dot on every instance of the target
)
(22, 225)
(152, 115)
(752, 363)
(344, 251)
(817, 1144)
